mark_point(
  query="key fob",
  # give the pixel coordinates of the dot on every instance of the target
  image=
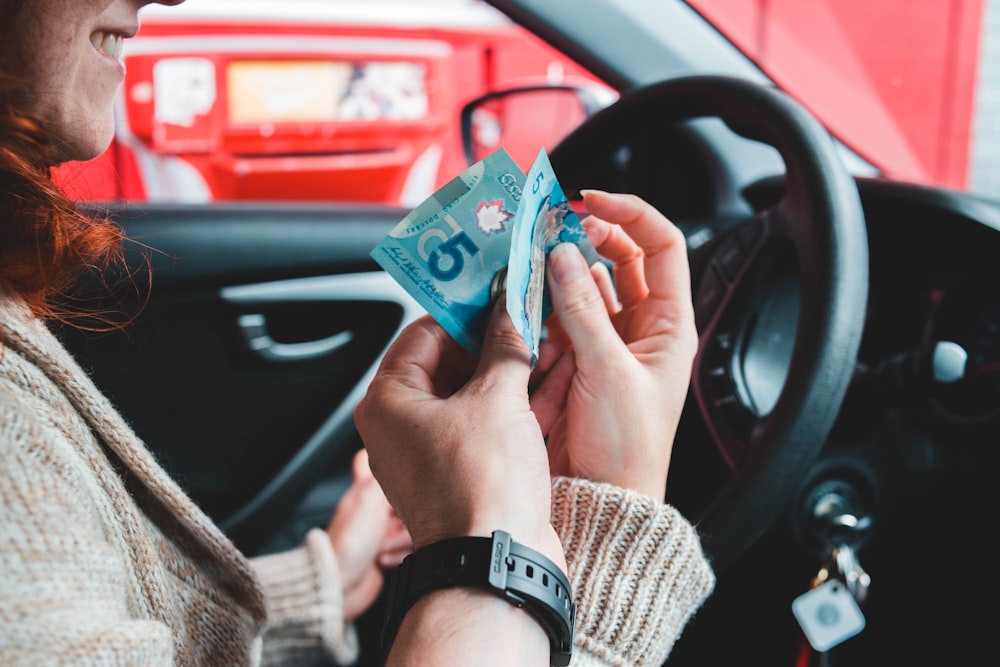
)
(828, 615)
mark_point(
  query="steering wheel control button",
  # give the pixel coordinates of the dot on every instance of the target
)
(730, 258)
(710, 294)
(749, 233)
(828, 615)
(724, 344)
(740, 419)
(719, 381)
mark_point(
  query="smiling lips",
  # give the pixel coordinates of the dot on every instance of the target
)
(110, 44)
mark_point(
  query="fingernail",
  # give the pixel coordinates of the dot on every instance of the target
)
(566, 263)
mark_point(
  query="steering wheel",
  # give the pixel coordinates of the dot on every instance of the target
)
(780, 300)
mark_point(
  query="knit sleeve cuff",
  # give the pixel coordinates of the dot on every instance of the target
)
(305, 605)
(637, 569)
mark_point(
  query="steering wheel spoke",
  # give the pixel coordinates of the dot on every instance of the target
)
(727, 266)
(726, 277)
(729, 420)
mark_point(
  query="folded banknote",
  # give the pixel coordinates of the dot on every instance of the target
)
(486, 231)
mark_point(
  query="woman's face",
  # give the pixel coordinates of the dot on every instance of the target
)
(69, 53)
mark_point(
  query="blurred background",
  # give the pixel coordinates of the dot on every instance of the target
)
(359, 100)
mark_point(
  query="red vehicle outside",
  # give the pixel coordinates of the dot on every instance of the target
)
(344, 102)
(894, 79)
(359, 101)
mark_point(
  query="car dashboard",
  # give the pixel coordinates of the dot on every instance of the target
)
(917, 447)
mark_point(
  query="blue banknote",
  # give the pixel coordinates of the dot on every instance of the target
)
(543, 220)
(448, 250)
(453, 252)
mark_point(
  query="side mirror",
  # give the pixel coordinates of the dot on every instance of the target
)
(524, 119)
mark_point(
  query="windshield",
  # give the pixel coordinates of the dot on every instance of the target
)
(359, 100)
(907, 85)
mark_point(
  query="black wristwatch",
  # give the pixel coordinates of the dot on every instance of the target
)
(520, 575)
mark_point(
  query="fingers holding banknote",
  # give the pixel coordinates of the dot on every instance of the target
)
(454, 443)
(630, 358)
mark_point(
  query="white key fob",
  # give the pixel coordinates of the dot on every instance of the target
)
(828, 615)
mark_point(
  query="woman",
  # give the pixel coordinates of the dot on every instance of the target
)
(106, 561)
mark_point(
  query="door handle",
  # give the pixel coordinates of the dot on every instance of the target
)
(253, 327)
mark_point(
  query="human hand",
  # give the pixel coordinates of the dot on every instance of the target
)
(627, 358)
(454, 444)
(367, 536)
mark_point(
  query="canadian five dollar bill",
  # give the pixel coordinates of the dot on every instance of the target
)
(486, 232)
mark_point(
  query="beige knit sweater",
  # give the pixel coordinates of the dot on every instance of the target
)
(105, 561)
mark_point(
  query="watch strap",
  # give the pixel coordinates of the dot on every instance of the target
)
(520, 575)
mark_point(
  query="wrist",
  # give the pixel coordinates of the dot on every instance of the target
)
(446, 627)
(512, 572)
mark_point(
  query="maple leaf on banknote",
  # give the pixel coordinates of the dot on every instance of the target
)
(492, 217)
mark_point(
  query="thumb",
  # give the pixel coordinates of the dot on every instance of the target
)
(577, 300)
(505, 358)
(360, 467)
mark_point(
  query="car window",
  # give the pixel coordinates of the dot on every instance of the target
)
(359, 100)
(308, 100)
(913, 88)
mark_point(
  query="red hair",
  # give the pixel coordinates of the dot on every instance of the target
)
(47, 245)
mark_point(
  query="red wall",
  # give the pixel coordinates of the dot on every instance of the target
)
(481, 58)
(894, 79)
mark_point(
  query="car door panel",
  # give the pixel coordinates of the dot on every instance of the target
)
(261, 330)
